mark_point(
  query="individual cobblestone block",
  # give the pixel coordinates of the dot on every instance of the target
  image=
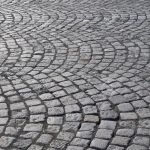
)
(86, 101)
(143, 112)
(33, 127)
(70, 126)
(71, 89)
(58, 78)
(72, 108)
(118, 99)
(3, 113)
(59, 144)
(120, 140)
(44, 139)
(52, 103)
(125, 107)
(104, 134)
(12, 130)
(139, 104)
(128, 124)
(33, 102)
(91, 118)
(16, 106)
(134, 146)
(55, 111)
(35, 147)
(125, 132)
(22, 143)
(31, 135)
(68, 100)
(109, 114)
(53, 129)
(143, 131)
(67, 136)
(99, 143)
(60, 93)
(46, 96)
(80, 142)
(2, 99)
(87, 126)
(128, 116)
(114, 147)
(90, 109)
(5, 141)
(74, 117)
(22, 113)
(37, 109)
(55, 120)
(107, 124)
(84, 134)
(74, 148)
(37, 118)
(141, 140)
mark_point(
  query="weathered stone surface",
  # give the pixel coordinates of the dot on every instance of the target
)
(74, 74)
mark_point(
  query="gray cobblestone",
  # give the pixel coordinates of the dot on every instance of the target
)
(74, 75)
(99, 143)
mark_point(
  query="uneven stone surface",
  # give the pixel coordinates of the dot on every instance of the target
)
(74, 74)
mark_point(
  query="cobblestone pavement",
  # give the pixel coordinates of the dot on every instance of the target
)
(74, 74)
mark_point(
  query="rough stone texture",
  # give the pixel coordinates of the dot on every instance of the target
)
(74, 74)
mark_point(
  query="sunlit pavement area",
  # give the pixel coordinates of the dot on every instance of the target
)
(74, 74)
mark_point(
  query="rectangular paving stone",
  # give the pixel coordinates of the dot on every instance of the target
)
(99, 143)
(33, 127)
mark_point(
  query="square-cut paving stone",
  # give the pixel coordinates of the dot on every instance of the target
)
(46, 96)
(120, 140)
(72, 108)
(143, 112)
(80, 142)
(67, 136)
(74, 117)
(44, 138)
(70, 126)
(90, 109)
(84, 134)
(5, 141)
(136, 147)
(128, 116)
(33, 127)
(104, 133)
(125, 107)
(114, 147)
(37, 118)
(55, 120)
(118, 99)
(99, 143)
(53, 129)
(35, 147)
(125, 132)
(29, 135)
(107, 124)
(141, 140)
(88, 126)
(91, 118)
(74, 148)
(22, 143)
(58, 144)
(37, 109)
(55, 111)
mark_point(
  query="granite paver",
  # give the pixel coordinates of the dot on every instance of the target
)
(74, 74)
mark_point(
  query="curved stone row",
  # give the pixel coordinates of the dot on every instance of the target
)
(74, 75)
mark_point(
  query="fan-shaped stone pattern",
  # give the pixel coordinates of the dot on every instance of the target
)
(74, 74)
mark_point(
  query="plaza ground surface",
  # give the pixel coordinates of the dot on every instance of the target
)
(74, 74)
